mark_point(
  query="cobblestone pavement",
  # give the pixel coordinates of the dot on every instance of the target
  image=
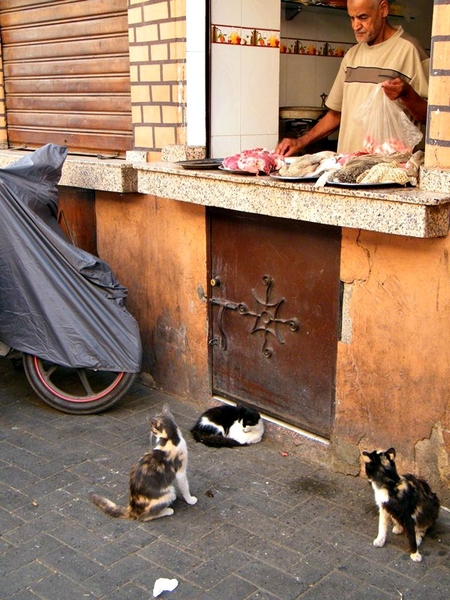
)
(266, 526)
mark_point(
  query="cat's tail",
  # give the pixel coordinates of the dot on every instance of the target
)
(213, 439)
(109, 507)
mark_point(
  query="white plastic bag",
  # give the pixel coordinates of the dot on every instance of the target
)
(386, 127)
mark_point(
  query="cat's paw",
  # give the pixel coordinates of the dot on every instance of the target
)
(397, 529)
(379, 541)
(416, 557)
(191, 500)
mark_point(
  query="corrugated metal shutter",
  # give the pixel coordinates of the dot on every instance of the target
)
(66, 72)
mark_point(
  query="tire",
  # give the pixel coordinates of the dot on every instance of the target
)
(75, 391)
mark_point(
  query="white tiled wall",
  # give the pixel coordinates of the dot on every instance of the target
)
(303, 78)
(244, 78)
(195, 73)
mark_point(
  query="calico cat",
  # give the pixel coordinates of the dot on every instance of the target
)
(152, 479)
(227, 425)
(407, 500)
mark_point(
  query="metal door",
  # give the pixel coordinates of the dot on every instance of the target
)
(274, 302)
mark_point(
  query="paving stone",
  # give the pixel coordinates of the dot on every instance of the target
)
(19, 556)
(211, 572)
(169, 556)
(231, 587)
(370, 592)
(22, 578)
(126, 570)
(334, 585)
(71, 563)
(275, 581)
(434, 584)
(266, 526)
(124, 545)
(58, 586)
(129, 591)
(28, 531)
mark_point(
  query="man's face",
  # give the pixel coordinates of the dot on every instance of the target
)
(367, 18)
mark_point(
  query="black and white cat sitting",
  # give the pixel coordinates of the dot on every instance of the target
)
(227, 425)
(407, 500)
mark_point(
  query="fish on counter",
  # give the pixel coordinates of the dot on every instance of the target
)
(309, 164)
(398, 167)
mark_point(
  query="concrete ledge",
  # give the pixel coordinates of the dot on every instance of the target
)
(410, 212)
(401, 211)
(108, 175)
(435, 179)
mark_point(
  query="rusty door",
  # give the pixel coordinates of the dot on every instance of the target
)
(274, 302)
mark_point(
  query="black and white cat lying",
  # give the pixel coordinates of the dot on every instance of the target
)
(227, 425)
(407, 500)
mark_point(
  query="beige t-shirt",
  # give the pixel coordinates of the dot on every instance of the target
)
(365, 66)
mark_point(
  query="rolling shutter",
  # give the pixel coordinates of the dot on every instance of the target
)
(66, 74)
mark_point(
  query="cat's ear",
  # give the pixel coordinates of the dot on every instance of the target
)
(390, 453)
(166, 410)
(366, 456)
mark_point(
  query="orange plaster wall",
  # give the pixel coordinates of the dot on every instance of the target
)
(160, 255)
(393, 378)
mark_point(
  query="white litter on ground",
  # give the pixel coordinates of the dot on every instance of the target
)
(164, 585)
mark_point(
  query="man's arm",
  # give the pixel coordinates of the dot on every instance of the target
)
(327, 124)
(415, 104)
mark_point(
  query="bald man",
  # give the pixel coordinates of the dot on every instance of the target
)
(384, 54)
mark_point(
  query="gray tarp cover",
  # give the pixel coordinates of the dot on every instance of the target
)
(57, 301)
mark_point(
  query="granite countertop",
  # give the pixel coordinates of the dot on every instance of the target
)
(408, 211)
(397, 210)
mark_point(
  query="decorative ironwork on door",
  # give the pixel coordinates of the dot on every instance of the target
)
(265, 316)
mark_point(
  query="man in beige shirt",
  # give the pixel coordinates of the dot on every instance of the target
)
(383, 55)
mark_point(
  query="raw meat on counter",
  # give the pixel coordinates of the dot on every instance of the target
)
(258, 160)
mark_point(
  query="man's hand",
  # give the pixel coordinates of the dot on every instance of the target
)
(395, 88)
(402, 90)
(288, 146)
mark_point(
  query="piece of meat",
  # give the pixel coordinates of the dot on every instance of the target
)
(230, 162)
(257, 160)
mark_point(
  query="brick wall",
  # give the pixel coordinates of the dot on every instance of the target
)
(157, 35)
(3, 132)
(438, 133)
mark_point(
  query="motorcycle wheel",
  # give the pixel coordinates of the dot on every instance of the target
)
(75, 391)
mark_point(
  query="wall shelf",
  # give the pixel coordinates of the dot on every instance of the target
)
(294, 7)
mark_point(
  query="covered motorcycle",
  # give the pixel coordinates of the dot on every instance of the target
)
(59, 305)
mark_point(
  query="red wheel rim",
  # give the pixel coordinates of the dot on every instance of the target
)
(60, 394)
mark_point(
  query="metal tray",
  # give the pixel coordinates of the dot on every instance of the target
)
(201, 163)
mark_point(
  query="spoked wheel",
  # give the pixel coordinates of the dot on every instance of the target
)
(75, 391)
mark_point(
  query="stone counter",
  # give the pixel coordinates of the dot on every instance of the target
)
(394, 210)
(402, 211)
(91, 173)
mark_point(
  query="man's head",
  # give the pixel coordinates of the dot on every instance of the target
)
(368, 19)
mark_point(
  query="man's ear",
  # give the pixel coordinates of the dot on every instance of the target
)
(384, 8)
